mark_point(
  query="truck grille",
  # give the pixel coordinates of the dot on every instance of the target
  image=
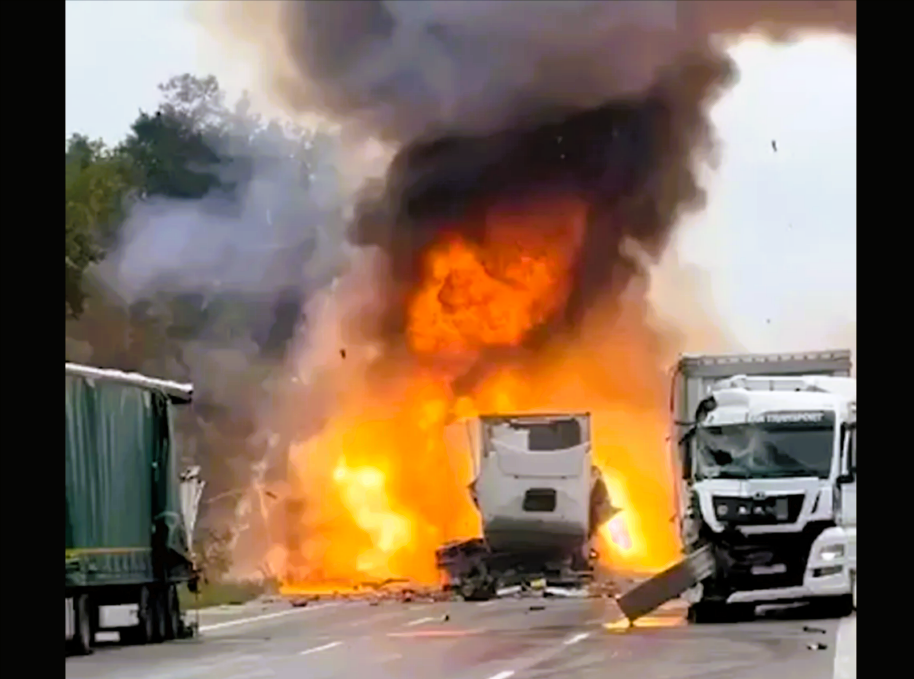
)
(758, 512)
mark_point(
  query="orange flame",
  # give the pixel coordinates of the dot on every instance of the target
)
(383, 487)
(492, 294)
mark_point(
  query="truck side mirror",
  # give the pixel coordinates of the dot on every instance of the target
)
(686, 443)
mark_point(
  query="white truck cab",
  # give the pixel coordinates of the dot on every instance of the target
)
(767, 491)
(770, 471)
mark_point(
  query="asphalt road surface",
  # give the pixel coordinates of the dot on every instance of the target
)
(516, 638)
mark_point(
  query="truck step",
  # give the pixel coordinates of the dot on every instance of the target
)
(652, 593)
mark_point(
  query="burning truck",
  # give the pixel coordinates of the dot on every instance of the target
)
(541, 500)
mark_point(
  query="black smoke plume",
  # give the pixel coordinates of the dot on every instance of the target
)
(492, 102)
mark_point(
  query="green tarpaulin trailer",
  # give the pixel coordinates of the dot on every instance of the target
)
(126, 541)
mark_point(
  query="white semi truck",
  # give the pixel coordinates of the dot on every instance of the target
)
(541, 500)
(765, 446)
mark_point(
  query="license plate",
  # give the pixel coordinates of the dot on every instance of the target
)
(538, 584)
(769, 570)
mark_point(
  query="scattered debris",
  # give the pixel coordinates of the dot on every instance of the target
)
(537, 608)
(343, 354)
(816, 647)
(299, 603)
(446, 618)
(774, 145)
(394, 590)
(817, 630)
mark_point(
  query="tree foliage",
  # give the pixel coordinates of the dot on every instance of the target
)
(99, 185)
(195, 145)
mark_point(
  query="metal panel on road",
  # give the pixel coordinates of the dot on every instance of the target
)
(653, 593)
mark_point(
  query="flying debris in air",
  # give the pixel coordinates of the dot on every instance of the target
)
(342, 353)
(774, 145)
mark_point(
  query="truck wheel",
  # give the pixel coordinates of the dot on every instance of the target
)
(476, 591)
(145, 630)
(839, 606)
(172, 613)
(740, 612)
(707, 612)
(854, 591)
(469, 591)
(159, 618)
(83, 635)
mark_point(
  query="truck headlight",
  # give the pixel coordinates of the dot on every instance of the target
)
(831, 552)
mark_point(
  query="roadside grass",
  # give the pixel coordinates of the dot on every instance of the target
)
(223, 593)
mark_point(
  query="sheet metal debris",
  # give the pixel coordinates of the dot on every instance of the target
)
(666, 586)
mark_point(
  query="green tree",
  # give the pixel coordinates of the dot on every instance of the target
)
(228, 341)
(100, 183)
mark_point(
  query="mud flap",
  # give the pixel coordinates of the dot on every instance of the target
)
(666, 586)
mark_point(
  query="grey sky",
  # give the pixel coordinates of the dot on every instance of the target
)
(778, 240)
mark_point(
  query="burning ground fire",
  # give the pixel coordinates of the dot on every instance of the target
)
(384, 484)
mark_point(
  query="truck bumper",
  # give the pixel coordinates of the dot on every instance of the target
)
(829, 569)
(831, 585)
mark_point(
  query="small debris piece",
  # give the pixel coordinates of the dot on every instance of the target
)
(446, 617)
(817, 647)
(343, 353)
(774, 145)
(537, 608)
(817, 630)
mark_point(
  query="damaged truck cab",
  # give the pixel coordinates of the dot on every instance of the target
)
(540, 500)
(768, 480)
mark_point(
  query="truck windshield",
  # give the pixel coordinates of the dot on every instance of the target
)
(555, 435)
(760, 451)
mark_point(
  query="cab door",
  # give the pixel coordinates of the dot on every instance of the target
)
(847, 490)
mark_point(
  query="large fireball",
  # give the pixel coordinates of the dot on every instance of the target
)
(385, 482)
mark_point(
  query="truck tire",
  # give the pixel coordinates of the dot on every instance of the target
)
(854, 591)
(160, 618)
(708, 612)
(478, 591)
(838, 606)
(83, 635)
(172, 613)
(144, 632)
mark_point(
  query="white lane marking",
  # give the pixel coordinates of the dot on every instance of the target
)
(576, 638)
(258, 618)
(418, 621)
(846, 649)
(503, 675)
(318, 649)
